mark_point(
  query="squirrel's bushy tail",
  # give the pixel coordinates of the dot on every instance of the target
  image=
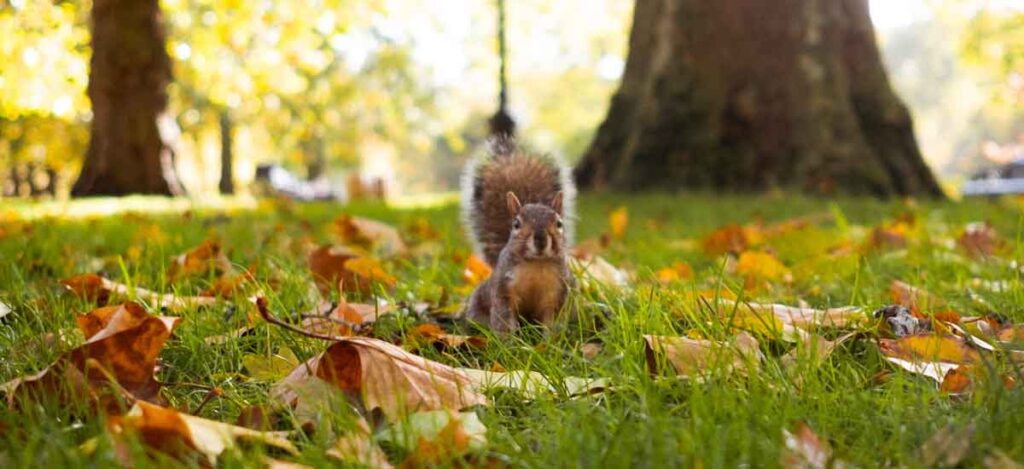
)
(535, 179)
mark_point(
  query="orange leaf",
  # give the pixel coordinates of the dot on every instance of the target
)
(689, 357)
(476, 270)
(369, 234)
(678, 271)
(956, 381)
(930, 348)
(727, 239)
(917, 300)
(199, 260)
(332, 265)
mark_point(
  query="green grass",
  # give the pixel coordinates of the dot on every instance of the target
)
(645, 421)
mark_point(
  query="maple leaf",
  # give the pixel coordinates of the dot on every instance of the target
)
(179, 434)
(334, 265)
(122, 345)
(92, 287)
(383, 375)
(369, 234)
(199, 260)
(699, 357)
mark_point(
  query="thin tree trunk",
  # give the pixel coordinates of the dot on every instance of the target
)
(130, 70)
(749, 95)
(227, 183)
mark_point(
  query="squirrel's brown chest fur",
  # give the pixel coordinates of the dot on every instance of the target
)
(536, 290)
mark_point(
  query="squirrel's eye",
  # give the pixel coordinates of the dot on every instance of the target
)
(559, 224)
(516, 224)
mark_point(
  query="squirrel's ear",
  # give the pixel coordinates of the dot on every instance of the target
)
(556, 202)
(513, 204)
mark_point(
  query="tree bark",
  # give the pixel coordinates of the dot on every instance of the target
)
(227, 181)
(130, 70)
(751, 95)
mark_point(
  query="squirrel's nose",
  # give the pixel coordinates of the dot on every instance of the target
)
(540, 240)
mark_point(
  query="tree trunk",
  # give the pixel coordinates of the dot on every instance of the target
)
(130, 70)
(227, 182)
(749, 95)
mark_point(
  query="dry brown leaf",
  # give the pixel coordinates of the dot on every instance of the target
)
(357, 446)
(918, 300)
(123, 343)
(806, 450)
(814, 347)
(179, 435)
(957, 381)
(699, 357)
(92, 287)
(384, 376)
(369, 234)
(981, 240)
(532, 384)
(334, 265)
(199, 260)
(427, 335)
(343, 319)
(597, 271)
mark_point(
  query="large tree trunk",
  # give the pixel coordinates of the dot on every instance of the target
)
(227, 174)
(749, 95)
(127, 85)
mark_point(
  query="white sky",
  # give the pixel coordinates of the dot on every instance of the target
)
(892, 14)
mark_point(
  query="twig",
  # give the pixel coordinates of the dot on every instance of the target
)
(261, 305)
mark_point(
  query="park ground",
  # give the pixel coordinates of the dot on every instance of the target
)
(682, 256)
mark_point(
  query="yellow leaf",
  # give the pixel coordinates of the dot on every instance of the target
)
(761, 266)
(476, 270)
(618, 220)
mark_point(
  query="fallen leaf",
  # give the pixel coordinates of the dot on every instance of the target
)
(918, 300)
(178, 434)
(981, 240)
(532, 384)
(590, 350)
(357, 446)
(5, 309)
(597, 271)
(92, 287)
(369, 234)
(948, 447)
(226, 286)
(476, 270)
(757, 267)
(815, 348)
(425, 335)
(270, 368)
(956, 381)
(433, 438)
(383, 375)
(729, 239)
(929, 355)
(344, 318)
(122, 344)
(618, 220)
(883, 237)
(698, 357)
(805, 449)
(199, 261)
(334, 265)
(678, 271)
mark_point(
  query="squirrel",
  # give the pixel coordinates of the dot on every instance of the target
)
(517, 208)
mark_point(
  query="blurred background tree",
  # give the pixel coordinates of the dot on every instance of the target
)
(386, 88)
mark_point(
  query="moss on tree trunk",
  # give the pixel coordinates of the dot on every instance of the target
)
(750, 95)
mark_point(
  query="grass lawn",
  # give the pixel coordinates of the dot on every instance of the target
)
(868, 411)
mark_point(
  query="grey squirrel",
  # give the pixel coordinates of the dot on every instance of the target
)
(518, 210)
